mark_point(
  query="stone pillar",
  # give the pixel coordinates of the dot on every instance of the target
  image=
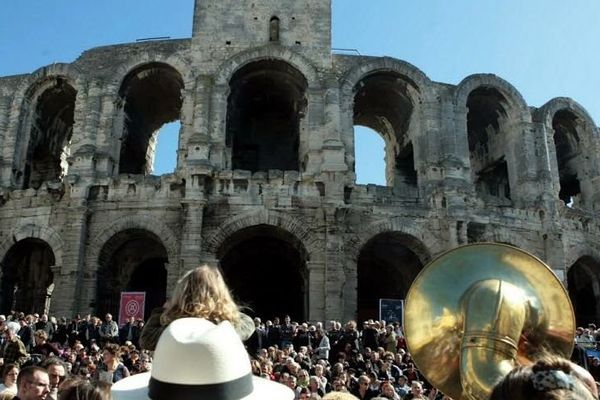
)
(335, 278)
(5, 165)
(76, 287)
(317, 296)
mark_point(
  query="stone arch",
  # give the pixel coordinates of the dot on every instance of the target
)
(257, 253)
(21, 278)
(518, 105)
(490, 114)
(141, 115)
(577, 251)
(583, 284)
(227, 69)
(418, 239)
(146, 223)
(546, 113)
(294, 226)
(43, 233)
(384, 265)
(131, 260)
(573, 159)
(176, 61)
(42, 142)
(397, 119)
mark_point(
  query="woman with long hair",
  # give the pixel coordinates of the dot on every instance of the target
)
(201, 293)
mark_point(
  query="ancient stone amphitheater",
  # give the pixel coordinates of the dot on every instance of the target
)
(265, 182)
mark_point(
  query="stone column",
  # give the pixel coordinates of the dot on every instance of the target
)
(5, 167)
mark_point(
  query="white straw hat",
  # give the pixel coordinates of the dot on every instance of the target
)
(196, 360)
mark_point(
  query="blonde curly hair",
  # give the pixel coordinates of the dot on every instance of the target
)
(202, 293)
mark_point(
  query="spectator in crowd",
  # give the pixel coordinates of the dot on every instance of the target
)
(402, 386)
(26, 334)
(9, 379)
(287, 332)
(57, 373)
(201, 360)
(200, 293)
(111, 370)
(81, 389)
(417, 392)
(362, 390)
(33, 383)
(14, 351)
(257, 340)
(42, 346)
(46, 326)
(129, 331)
(109, 331)
(389, 340)
(61, 335)
(551, 377)
(274, 332)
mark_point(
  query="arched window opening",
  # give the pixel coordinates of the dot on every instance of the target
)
(264, 112)
(132, 260)
(369, 162)
(274, 29)
(27, 278)
(382, 102)
(262, 263)
(50, 135)
(487, 140)
(165, 154)
(152, 97)
(387, 266)
(566, 142)
(583, 280)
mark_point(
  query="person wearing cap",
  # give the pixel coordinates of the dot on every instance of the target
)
(14, 351)
(201, 293)
(198, 359)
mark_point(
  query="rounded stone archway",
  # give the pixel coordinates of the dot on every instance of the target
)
(133, 260)
(386, 266)
(265, 267)
(583, 281)
(27, 277)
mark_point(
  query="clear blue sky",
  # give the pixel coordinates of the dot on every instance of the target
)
(545, 48)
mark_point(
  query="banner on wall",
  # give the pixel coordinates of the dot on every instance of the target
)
(132, 305)
(391, 310)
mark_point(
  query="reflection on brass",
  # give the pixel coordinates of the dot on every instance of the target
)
(476, 311)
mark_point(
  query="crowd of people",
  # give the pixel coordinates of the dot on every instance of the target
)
(42, 357)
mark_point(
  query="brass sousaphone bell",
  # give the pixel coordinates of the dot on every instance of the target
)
(477, 311)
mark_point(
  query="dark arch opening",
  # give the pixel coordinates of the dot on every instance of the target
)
(566, 142)
(386, 268)
(27, 277)
(152, 97)
(582, 281)
(383, 103)
(50, 135)
(132, 260)
(485, 127)
(264, 111)
(265, 268)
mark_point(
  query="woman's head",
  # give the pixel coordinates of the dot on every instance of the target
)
(80, 389)
(202, 293)
(551, 378)
(9, 376)
(110, 352)
(40, 336)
